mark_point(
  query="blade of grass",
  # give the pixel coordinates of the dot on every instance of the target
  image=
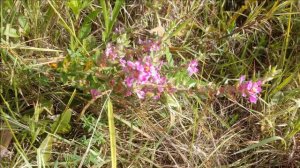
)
(286, 40)
(115, 14)
(105, 13)
(112, 134)
(109, 21)
(24, 157)
(29, 48)
(295, 130)
(177, 29)
(285, 82)
(70, 100)
(261, 143)
(8, 107)
(44, 151)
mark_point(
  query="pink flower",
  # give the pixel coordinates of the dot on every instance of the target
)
(249, 89)
(254, 87)
(153, 72)
(128, 93)
(119, 30)
(122, 62)
(129, 81)
(139, 66)
(156, 97)
(131, 65)
(140, 94)
(94, 93)
(253, 98)
(242, 79)
(143, 78)
(192, 68)
(110, 52)
(150, 45)
(154, 46)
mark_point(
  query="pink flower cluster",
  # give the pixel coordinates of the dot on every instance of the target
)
(143, 77)
(249, 89)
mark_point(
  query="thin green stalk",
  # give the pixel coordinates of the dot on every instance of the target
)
(286, 40)
(112, 134)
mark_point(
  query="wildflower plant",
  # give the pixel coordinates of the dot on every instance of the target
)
(126, 69)
(139, 70)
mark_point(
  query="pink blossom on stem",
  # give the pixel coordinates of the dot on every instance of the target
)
(253, 98)
(192, 67)
(111, 52)
(143, 78)
(122, 62)
(140, 94)
(254, 87)
(128, 93)
(242, 79)
(129, 81)
(249, 89)
(94, 93)
(156, 97)
(154, 46)
(139, 66)
(131, 65)
(150, 45)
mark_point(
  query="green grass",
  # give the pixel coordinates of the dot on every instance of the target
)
(50, 56)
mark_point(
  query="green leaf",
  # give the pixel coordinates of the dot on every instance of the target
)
(86, 3)
(272, 73)
(261, 143)
(61, 125)
(169, 57)
(112, 134)
(89, 43)
(295, 130)
(23, 23)
(78, 5)
(44, 151)
(285, 82)
(115, 13)
(85, 29)
(177, 28)
(10, 32)
(105, 15)
(233, 119)
(75, 7)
